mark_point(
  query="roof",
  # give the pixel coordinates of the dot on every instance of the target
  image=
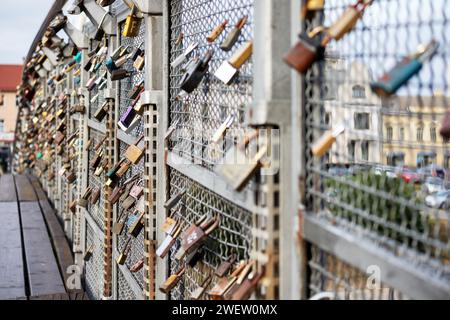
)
(10, 76)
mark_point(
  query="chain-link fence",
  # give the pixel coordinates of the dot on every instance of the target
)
(379, 179)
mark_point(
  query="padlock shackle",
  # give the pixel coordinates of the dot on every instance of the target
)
(241, 22)
(212, 227)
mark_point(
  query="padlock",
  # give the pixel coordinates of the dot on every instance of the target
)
(137, 266)
(309, 49)
(215, 33)
(194, 236)
(169, 225)
(128, 202)
(194, 257)
(221, 130)
(95, 196)
(112, 172)
(173, 201)
(391, 81)
(127, 117)
(78, 108)
(125, 252)
(115, 194)
(247, 287)
(132, 23)
(119, 225)
(225, 266)
(83, 201)
(59, 137)
(200, 290)
(89, 252)
(139, 63)
(168, 242)
(321, 146)
(137, 89)
(239, 280)
(171, 282)
(192, 78)
(239, 166)
(71, 177)
(105, 3)
(445, 128)
(124, 166)
(95, 161)
(179, 60)
(101, 113)
(136, 227)
(120, 74)
(120, 62)
(136, 191)
(348, 20)
(73, 206)
(133, 153)
(228, 69)
(234, 34)
(218, 291)
(90, 84)
(315, 4)
(99, 33)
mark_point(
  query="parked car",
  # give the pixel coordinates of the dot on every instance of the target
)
(380, 169)
(409, 175)
(434, 184)
(337, 171)
(439, 200)
(431, 171)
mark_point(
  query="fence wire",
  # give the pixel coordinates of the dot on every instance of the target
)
(386, 176)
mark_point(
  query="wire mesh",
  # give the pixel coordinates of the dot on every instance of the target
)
(201, 113)
(234, 235)
(379, 180)
(96, 103)
(96, 210)
(127, 84)
(123, 288)
(94, 266)
(137, 248)
(330, 274)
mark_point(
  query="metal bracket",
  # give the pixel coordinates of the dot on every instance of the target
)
(109, 94)
(95, 13)
(151, 97)
(78, 37)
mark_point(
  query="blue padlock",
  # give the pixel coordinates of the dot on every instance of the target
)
(77, 57)
(110, 65)
(391, 81)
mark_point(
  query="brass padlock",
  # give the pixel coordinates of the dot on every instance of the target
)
(101, 113)
(225, 266)
(348, 19)
(321, 146)
(215, 33)
(133, 153)
(125, 252)
(139, 62)
(119, 225)
(171, 282)
(95, 196)
(124, 166)
(218, 291)
(132, 23)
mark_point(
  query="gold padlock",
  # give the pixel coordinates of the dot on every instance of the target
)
(124, 254)
(321, 146)
(133, 153)
(315, 4)
(132, 23)
(348, 19)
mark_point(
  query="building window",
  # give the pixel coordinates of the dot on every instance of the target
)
(362, 121)
(402, 134)
(327, 119)
(433, 134)
(389, 133)
(351, 150)
(358, 92)
(2, 125)
(420, 133)
(365, 150)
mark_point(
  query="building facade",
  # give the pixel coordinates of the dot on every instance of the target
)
(351, 102)
(411, 128)
(10, 77)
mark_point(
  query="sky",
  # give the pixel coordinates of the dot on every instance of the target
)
(20, 20)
